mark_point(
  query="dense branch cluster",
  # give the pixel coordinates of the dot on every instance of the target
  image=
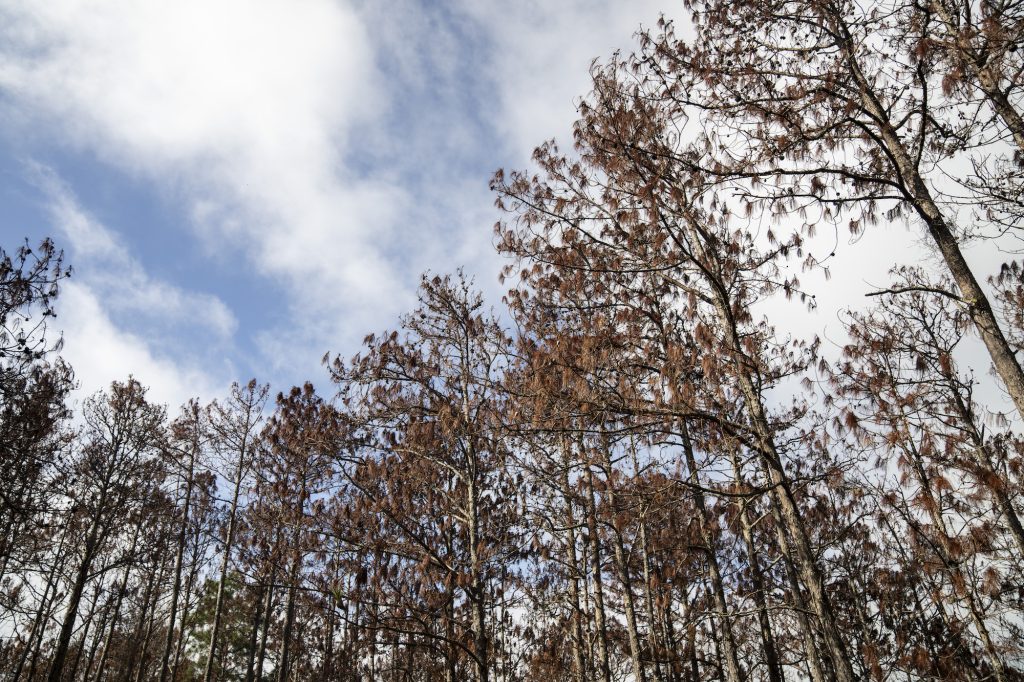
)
(639, 471)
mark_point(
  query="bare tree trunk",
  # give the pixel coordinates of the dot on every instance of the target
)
(67, 627)
(595, 569)
(449, 632)
(39, 622)
(477, 588)
(165, 661)
(574, 585)
(89, 616)
(645, 562)
(328, 666)
(810, 573)
(920, 197)
(254, 634)
(106, 614)
(228, 543)
(756, 578)
(122, 588)
(190, 583)
(151, 624)
(811, 649)
(733, 671)
(37, 650)
(133, 646)
(267, 612)
(289, 622)
(619, 554)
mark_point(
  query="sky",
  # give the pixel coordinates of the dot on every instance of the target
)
(242, 186)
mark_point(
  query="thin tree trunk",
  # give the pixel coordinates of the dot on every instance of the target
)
(645, 560)
(328, 666)
(165, 661)
(595, 569)
(756, 578)
(37, 650)
(151, 624)
(920, 197)
(190, 583)
(806, 562)
(733, 671)
(228, 543)
(811, 650)
(254, 633)
(106, 615)
(133, 647)
(268, 611)
(449, 632)
(574, 585)
(477, 588)
(619, 554)
(68, 626)
(38, 622)
(118, 601)
(89, 616)
(289, 622)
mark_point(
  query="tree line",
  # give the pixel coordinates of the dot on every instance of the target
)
(637, 470)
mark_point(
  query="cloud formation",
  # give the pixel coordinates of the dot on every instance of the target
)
(336, 149)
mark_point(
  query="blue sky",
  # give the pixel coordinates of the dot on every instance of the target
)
(242, 186)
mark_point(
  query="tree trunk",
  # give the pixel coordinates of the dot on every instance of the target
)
(919, 196)
(574, 585)
(122, 588)
(810, 573)
(756, 578)
(89, 616)
(165, 661)
(254, 634)
(133, 645)
(733, 672)
(267, 612)
(228, 542)
(476, 590)
(38, 622)
(595, 569)
(68, 626)
(289, 623)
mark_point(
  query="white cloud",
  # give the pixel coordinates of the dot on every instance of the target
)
(241, 108)
(117, 276)
(275, 126)
(101, 352)
(542, 52)
(110, 285)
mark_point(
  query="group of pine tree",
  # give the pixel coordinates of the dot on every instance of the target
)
(638, 471)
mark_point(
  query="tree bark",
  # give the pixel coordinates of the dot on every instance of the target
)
(165, 660)
(122, 588)
(919, 196)
(68, 626)
(733, 672)
(595, 569)
(228, 543)
(756, 578)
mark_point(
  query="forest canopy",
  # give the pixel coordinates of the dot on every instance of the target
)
(637, 469)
